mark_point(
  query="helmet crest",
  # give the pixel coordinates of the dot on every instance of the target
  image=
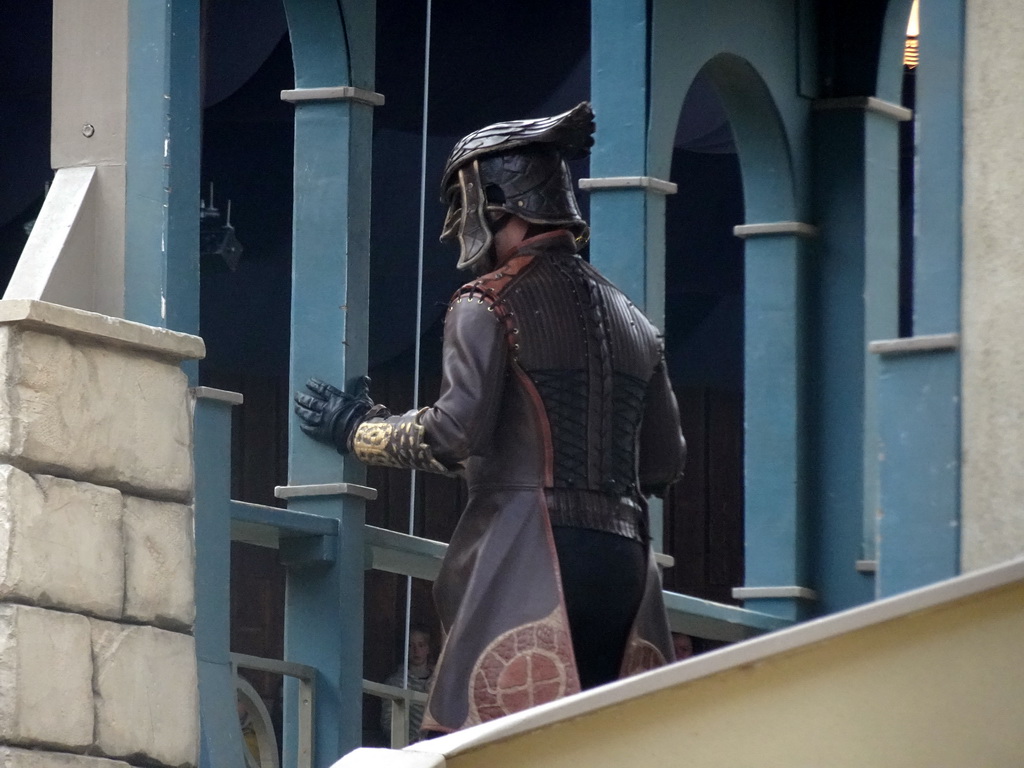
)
(517, 167)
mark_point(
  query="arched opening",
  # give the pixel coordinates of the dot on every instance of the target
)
(760, 138)
(745, 484)
(704, 348)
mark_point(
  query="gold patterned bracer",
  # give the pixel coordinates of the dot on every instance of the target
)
(397, 441)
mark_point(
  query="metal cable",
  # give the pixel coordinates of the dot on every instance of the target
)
(419, 324)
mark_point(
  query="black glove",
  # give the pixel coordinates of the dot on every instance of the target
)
(332, 416)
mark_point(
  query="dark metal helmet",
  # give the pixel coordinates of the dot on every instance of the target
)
(517, 167)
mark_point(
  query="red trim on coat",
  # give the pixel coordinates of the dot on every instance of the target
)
(542, 423)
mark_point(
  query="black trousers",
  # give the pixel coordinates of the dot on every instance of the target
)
(603, 577)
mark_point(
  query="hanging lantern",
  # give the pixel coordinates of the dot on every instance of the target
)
(217, 242)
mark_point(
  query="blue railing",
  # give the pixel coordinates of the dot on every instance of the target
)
(399, 553)
(407, 555)
(311, 547)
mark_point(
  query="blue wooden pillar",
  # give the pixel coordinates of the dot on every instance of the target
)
(220, 736)
(330, 269)
(919, 391)
(919, 526)
(750, 51)
(778, 245)
(627, 207)
(856, 286)
(777, 566)
(881, 288)
(161, 280)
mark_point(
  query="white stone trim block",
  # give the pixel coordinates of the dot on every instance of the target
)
(100, 329)
(60, 543)
(372, 757)
(798, 228)
(896, 112)
(146, 695)
(11, 757)
(658, 186)
(785, 592)
(159, 563)
(46, 677)
(334, 93)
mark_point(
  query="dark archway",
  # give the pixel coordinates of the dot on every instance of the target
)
(704, 349)
(772, 420)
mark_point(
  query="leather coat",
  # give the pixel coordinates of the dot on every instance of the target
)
(556, 408)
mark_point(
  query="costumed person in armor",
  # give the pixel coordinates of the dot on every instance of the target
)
(556, 409)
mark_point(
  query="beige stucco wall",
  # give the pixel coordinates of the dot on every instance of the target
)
(903, 693)
(931, 677)
(993, 284)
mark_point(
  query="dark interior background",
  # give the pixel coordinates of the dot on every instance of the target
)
(490, 61)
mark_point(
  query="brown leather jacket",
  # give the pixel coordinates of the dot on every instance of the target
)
(556, 408)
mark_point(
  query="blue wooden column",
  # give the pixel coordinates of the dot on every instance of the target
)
(623, 199)
(627, 206)
(220, 736)
(778, 243)
(161, 280)
(919, 377)
(919, 414)
(333, 101)
(750, 51)
(856, 287)
(777, 565)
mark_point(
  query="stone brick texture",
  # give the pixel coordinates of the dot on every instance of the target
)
(61, 544)
(146, 694)
(159, 563)
(93, 550)
(95, 414)
(46, 678)
(97, 558)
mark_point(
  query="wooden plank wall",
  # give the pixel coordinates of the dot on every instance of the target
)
(704, 511)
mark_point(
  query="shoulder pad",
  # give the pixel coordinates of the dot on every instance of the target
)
(490, 286)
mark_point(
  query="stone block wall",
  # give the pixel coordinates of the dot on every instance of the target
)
(97, 605)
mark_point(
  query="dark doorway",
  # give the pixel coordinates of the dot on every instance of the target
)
(704, 338)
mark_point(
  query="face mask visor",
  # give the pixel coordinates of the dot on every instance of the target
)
(466, 220)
